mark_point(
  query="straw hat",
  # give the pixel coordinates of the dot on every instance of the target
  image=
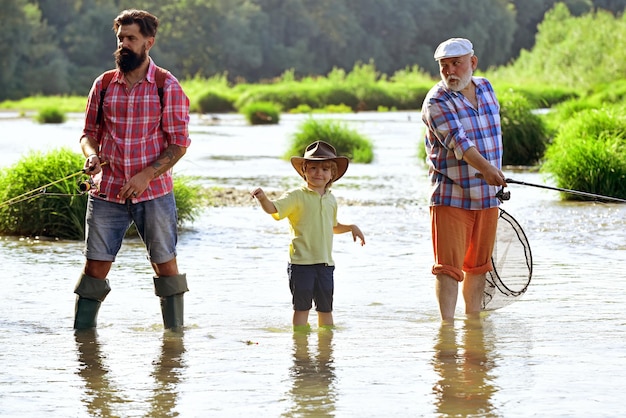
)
(320, 151)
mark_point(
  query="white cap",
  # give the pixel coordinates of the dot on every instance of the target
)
(454, 47)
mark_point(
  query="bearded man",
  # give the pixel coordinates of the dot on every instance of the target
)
(134, 133)
(463, 143)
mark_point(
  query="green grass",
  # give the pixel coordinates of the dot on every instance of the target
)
(58, 210)
(347, 142)
(589, 153)
(262, 113)
(50, 115)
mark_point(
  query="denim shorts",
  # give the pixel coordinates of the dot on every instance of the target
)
(106, 224)
(311, 283)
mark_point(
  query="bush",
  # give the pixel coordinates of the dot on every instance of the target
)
(566, 111)
(215, 102)
(335, 95)
(59, 209)
(50, 115)
(371, 96)
(346, 141)
(189, 198)
(262, 113)
(589, 154)
(288, 95)
(523, 134)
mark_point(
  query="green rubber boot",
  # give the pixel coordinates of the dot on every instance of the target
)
(91, 292)
(171, 290)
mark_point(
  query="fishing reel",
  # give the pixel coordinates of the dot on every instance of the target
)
(502, 195)
(86, 185)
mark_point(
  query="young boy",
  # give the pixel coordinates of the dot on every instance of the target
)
(312, 214)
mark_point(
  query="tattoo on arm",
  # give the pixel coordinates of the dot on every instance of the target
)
(167, 159)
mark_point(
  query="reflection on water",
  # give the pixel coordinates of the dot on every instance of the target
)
(103, 398)
(463, 360)
(100, 395)
(313, 375)
(168, 370)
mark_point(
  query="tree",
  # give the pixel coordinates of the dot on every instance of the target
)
(13, 38)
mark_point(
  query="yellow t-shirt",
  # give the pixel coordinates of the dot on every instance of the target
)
(311, 221)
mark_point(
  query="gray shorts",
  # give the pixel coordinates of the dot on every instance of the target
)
(106, 224)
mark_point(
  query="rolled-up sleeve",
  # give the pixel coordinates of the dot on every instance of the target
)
(175, 118)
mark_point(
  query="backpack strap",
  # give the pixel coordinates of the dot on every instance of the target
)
(160, 76)
(106, 80)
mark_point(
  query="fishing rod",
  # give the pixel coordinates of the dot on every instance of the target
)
(574, 192)
(40, 191)
(558, 189)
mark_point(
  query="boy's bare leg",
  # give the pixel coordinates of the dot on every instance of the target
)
(447, 289)
(473, 289)
(325, 319)
(300, 318)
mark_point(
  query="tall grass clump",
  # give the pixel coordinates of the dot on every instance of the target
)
(347, 142)
(190, 198)
(262, 113)
(50, 115)
(212, 101)
(589, 154)
(566, 111)
(58, 211)
(523, 134)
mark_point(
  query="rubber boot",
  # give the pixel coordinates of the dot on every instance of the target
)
(91, 292)
(171, 290)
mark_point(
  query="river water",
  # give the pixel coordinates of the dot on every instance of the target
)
(560, 351)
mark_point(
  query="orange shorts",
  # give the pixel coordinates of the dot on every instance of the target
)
(463, 240)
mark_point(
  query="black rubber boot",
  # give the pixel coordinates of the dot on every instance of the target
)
(171, 290)
(91, 292)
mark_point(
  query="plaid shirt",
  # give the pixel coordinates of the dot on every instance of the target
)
(135, 132)
(452, 127)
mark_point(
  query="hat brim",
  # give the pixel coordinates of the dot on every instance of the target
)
(342, 164)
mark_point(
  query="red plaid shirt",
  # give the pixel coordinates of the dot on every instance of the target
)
(135, 132)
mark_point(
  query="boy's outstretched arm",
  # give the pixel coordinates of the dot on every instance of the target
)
(266, 204)
(356, 232)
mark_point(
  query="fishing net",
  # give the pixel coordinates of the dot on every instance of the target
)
(512, 265)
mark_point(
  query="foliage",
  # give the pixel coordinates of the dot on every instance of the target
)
(212, 101)
(189, 198)
(564, 112)
(262, 113)
(37, 103)
(523, 135)
(362, 89)
(589, 153)
(573, 51)
(51, 115)
(45, 50)
(58, 210)
(347, 142)
(539, 95)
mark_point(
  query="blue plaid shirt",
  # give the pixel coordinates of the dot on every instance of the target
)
(452, 127)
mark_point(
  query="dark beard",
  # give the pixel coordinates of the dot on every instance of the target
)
(127, 61)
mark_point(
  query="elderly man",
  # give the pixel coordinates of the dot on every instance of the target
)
(463, 139)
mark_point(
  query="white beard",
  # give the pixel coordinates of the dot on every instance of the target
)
(455, 83)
